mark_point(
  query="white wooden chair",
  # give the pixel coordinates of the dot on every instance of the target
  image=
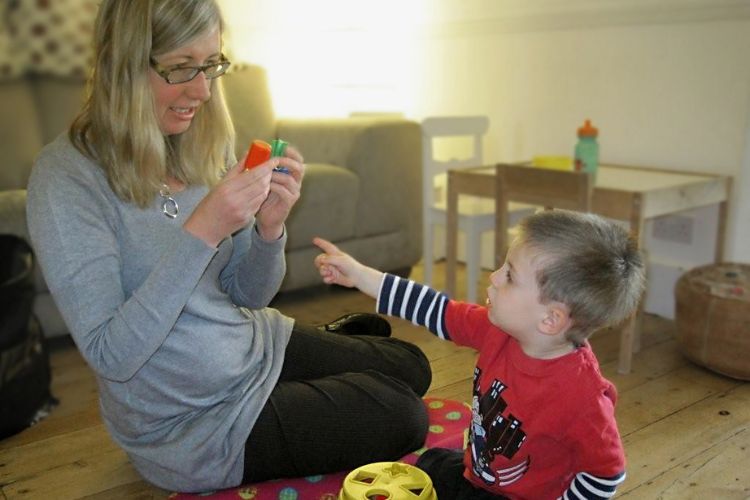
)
(475, 215)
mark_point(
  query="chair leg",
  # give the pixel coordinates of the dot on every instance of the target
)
(473, 254)
(427, 247)
(638, 329)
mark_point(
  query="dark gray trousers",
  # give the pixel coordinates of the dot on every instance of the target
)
(446, 469)
(342, 401)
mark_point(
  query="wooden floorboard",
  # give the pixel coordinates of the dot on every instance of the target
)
(686, 429)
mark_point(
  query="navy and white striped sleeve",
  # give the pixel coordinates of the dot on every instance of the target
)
(411, 301)
(587, 486)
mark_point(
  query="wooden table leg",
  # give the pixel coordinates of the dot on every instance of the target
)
(451, 236)
(721, 232)
(501, 219)
(630, 337)
(626, 346)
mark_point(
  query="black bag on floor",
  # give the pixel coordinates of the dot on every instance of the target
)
(24, 361)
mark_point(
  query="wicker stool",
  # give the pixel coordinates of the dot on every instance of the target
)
(712, 306)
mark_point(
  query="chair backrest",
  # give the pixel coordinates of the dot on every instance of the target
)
(436, 127)
(536, 186)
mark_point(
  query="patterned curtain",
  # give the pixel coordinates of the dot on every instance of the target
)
(46, 37)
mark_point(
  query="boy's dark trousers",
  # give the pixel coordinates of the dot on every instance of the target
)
(446, 469)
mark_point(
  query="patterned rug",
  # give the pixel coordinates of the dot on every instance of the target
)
(448, 420)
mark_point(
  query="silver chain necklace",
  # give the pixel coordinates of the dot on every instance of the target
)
(169, 206)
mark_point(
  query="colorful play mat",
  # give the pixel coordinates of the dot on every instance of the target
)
(448, 420)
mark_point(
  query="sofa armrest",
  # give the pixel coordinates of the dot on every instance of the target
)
(13, 213)
(13, 221)
(386, 154)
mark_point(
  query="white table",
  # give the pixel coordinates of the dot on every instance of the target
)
(628, 193)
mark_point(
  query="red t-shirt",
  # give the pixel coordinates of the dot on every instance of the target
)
(536, 422)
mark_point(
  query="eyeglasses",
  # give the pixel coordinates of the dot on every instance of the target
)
(182, 74)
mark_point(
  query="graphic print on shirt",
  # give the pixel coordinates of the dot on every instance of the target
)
(492, 434)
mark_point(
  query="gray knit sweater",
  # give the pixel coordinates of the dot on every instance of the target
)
(183, 346)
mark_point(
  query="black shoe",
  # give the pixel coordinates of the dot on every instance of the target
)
(359, 324)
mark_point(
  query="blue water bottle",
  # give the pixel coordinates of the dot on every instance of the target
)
(586, 153)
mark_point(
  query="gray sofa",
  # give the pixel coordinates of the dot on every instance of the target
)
(362, 189)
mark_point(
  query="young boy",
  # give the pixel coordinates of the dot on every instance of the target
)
(543, 417)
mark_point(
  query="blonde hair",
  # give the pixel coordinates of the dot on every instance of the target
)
(118, 127)
(589, 264)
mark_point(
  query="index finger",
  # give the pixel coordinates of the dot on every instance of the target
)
(326, 245)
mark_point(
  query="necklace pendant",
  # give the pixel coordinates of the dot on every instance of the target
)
(169, 206)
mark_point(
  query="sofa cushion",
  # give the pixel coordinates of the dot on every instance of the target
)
(58, 101)
(246, 93)
(386, 156)
(327, 206)
(13, 213)
(20, 140)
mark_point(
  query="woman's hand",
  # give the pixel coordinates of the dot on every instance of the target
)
(232, 203)
(284, 192)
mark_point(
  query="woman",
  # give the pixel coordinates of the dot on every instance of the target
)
(163, 253)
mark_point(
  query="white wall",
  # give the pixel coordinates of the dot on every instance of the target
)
(662, 95)
(738, 247)
(666, 81)
(330, 57)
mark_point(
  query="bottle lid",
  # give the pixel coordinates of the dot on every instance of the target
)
(588, 130)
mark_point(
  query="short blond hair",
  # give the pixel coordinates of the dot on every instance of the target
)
(589, 264)
(117, 126)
